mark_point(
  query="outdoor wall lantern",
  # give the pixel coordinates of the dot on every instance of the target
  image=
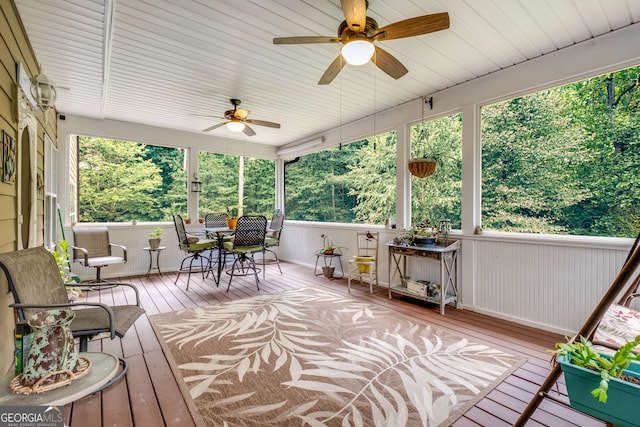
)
(196, 185)
(44, 91)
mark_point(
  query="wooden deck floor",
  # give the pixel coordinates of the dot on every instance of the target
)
(149, 395)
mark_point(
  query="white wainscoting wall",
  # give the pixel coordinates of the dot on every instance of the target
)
(548, 282)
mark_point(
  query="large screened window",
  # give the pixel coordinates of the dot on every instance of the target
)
(120, 181)
(230, 181)
(352, 183)
(565, 160)
(439, 195)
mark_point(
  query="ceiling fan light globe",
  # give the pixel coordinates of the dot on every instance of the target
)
(235, 126)
(358, 52)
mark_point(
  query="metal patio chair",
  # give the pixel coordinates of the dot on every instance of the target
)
(36, 284)
(248, 240)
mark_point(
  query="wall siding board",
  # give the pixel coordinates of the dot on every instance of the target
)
(15, 48)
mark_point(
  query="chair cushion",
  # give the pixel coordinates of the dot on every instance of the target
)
(271, 241)
(619, 325)
(203, 244)
(102, 261)
(228, 246)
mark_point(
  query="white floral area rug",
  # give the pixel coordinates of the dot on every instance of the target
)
(313, 357)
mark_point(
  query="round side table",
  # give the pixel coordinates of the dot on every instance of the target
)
(151, 251)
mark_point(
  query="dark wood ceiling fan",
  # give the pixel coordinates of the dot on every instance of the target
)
(239, 118)
(357, 26)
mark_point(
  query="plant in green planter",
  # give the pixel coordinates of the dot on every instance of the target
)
(603, 386)
(582, 353)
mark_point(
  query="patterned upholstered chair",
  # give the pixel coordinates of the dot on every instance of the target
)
(619, 325)
(247, 240)
(195, 250)
(93, 248)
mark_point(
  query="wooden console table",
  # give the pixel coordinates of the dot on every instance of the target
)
(446, 252)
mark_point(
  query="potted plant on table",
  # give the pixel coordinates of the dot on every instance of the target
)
(423, 235)
(232, 220)
(328, 248)
(155, 237)
(606, 387)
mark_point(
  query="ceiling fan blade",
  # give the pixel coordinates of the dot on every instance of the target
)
(332, 71)
(414, 26)
(306, 40)
(263, 123)
(388, 63)
(207, 116)
(214, 127)
(248, 131)
(241, 113)
(355, 13)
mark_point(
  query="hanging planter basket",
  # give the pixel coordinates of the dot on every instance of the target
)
(422, 167)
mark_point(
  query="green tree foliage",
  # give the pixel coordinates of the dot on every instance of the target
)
(259, 187)
(351, 183)
(530, 149)
(439, 195)
(116, 182)
(610, 115)
(372, 175)
(171, 195)
(565, 160)
(220, 175)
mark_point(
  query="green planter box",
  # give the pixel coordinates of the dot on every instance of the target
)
(622, 405)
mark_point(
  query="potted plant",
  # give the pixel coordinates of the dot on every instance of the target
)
(363, 260)
(233, 212)
(62, 260)
(154, 238)
(423, 235)
(606, 387)
(328, 248)
(425, 163)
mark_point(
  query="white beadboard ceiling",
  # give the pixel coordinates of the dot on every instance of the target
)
(167, 62)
